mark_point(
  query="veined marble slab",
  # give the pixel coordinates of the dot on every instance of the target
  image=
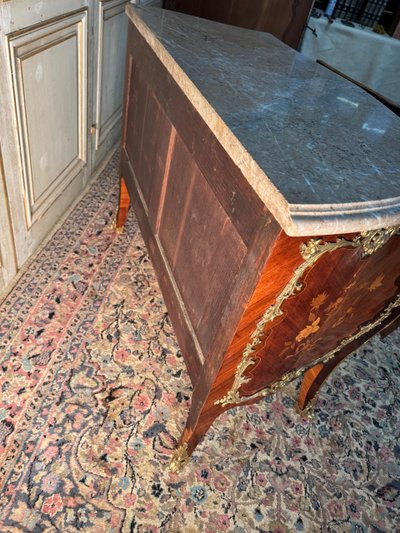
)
(323, 155)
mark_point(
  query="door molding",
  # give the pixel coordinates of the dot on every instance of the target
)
(8, 259)
(103, 125)
(26, 45)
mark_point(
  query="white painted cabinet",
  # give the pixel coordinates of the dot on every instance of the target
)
(111, 27)
(61, 85)
(7, 250)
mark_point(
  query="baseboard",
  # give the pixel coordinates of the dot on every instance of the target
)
(5, 291)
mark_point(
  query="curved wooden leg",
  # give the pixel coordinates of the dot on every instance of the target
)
(315, 376)
(313, 380)
(203, 412)
(124, 201)
(201, 417)
(390, 327)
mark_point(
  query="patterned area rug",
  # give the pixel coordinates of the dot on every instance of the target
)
(94, 394)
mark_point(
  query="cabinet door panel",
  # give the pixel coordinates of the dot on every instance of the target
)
(111, 35)
(43, 118)
(8, 264)
(53, 149)
(62, 65)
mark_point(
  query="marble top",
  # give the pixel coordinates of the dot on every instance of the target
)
(323, 155)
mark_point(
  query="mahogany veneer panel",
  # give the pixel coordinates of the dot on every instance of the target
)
(338, 295)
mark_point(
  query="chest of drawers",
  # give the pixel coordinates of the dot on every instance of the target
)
(276, 249)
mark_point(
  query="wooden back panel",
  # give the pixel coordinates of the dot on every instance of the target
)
(283, 18)
(199, 217)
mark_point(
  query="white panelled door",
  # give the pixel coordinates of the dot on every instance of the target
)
(61, 90)
(44, 82)
(111, 28)
(8, 263)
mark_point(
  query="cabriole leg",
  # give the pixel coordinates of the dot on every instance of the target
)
(201, 417)
(124, 201)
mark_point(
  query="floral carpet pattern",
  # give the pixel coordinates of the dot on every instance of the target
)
(94, 394)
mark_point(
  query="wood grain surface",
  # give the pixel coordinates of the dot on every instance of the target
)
(224, 264)
(283, 18)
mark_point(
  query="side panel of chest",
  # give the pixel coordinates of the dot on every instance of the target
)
(198, 215)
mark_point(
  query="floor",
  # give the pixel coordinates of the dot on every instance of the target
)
(94, 394)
